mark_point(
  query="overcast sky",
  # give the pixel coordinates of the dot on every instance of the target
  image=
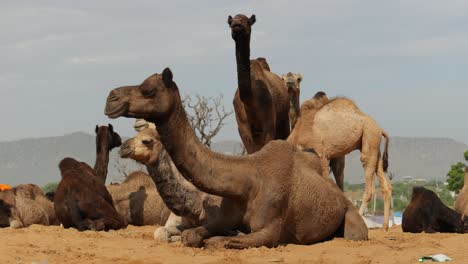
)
(404, 62)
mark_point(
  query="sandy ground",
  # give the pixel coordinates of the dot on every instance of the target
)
(40, 244)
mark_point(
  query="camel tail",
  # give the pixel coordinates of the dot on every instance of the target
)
(385, 154)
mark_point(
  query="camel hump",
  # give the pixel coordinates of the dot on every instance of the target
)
(320, 95)
(263, 63)
(68, 163)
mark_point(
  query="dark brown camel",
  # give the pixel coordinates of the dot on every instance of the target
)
(73, 195)
(261, 100)
(194, 206)
(82, 200)
(106, 140)
(426, 213)
(284, 198)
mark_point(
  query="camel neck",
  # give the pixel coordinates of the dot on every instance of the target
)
(210, 172)
(178, 194)
(102, 159)
(244, 81)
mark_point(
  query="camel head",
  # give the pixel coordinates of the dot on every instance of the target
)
(107, 134)
(144, 148)
(154, 99)
(241, 26)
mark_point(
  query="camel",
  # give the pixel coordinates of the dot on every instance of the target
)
(279, 190)
(195, 207)
(82, 200)
(106, 140)
(25, 205)
(461, 204)
(261, 100)
(293, 84)
(427, 213)
(138, 201)
(334, 128)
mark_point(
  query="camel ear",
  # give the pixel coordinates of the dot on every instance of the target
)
(96, 129)
(299, 77)
(229, 20)
(252, 20)
(111, 128)
(167, 77)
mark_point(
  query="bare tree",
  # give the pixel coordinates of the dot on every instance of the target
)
(206, 115)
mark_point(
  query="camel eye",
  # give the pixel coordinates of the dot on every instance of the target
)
(147, 93)
(147, 142)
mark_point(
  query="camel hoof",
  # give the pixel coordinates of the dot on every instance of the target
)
(15, 224)
(162, 235)
(175, 239)
(216, 243)
(191, 238)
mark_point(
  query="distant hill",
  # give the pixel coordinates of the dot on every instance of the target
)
(35, 160)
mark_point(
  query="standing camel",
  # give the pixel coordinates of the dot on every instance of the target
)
(261, 100)
(293, 84)
(461, 204)
(334, 128)
(280, 190)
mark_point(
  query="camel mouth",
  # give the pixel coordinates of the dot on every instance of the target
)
(115, 111)
(125, 152)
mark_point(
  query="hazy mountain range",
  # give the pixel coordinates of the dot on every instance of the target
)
(35, 160)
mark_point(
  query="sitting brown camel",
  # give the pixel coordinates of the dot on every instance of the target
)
(194, 206)
(25, 205)
(293, 84)
(427, 213)
(334, 128)
(138, 201)
(261, 100)
(82, 200)
(461, 204)
(280, 191)
(81, 185)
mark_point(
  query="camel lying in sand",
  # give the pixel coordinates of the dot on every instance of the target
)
(461, 204)
(195, 207)
(279, 190)
(25, 205)
(138, 201)
(334, 128)
(426, 213)
(82, 200)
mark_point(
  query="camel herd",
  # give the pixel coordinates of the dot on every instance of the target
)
(279, 193)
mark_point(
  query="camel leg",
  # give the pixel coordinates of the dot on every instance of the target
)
(194, 237)
(325, 163)
(386, 188)
(354, 226)
(337, 165)
(268, 236)
(369, 163)
(101, 210)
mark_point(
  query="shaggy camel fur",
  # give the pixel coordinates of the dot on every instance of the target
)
(82, 200)
(334, 128)
(426, 213)
(293, 84)
(261, 100)
(25, 205)
(195, 207)
(138, 201)
(461, 204)
(279, 191)
(106, 140)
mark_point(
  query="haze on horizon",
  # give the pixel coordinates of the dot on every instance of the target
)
(404, 63)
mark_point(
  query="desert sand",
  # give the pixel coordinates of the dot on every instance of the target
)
(53, 244)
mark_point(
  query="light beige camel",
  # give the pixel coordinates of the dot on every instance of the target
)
(279, 190)
(25, 205)
(293, 84)
(138, 201)
(334, 128)
(461, 204)
(194, 207)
